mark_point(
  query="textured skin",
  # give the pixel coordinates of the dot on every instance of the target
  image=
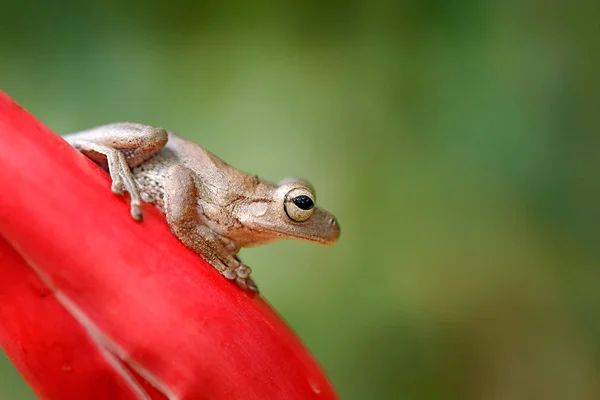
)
(213, 208)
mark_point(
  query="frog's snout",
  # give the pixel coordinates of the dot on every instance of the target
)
(333, 222)
(334, 229)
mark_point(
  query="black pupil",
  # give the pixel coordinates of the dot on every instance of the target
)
(303, 202)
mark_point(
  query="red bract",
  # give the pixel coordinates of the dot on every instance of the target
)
(94, 305)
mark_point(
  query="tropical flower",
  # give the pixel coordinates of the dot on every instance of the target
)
(94, 305)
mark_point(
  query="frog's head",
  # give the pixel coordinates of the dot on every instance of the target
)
(287, 211)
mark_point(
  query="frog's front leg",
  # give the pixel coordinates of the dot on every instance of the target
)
(120, 147)
(180, 204)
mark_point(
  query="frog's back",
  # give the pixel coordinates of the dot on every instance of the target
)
(195, 157)
(223, 182)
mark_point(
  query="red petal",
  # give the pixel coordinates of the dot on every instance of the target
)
(48, 346)
(118, 292)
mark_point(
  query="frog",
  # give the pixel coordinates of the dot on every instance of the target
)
(211, 207)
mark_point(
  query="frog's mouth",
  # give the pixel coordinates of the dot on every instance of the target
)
(321, 228)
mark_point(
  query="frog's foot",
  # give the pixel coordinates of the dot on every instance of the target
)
(120, 173)
(241, 275)
(123, 180)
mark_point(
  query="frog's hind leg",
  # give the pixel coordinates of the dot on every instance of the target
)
(118, 148)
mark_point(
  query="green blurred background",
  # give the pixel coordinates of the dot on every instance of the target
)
(457, 142)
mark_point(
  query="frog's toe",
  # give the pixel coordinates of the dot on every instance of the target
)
(252, 285)
(136, 213)
(229, 274)
(243, 271)
(241, 276)
(117, 187)
(247, 284)
(241, 282)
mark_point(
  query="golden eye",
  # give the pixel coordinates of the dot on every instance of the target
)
(299, 204)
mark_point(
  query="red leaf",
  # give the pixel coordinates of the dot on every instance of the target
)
(92, 301)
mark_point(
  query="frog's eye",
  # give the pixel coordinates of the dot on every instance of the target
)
(299, 204)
